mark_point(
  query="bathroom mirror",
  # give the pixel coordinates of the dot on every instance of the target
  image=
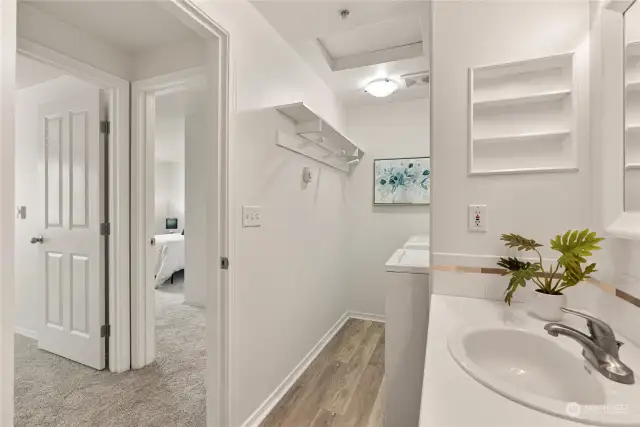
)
(632, 108)
(615, 111)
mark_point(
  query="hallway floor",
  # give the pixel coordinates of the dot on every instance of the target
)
(53, 391)
(343, 387)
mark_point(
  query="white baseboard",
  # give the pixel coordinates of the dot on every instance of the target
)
(26, 332)
(366, 316)
(267, 406)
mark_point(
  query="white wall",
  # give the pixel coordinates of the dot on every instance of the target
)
(168, 58)
(169, 194)
(27, 279)
(195, 291)
(384, 130)
(288, 285)
(290, 281)
(169, 171)
(469, 34)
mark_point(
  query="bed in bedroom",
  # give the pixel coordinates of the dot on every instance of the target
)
(169, 256)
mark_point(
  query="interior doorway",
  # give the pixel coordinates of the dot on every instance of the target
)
(114, 397)
(170, 294)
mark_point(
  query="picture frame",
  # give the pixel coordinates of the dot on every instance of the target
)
(402, 181)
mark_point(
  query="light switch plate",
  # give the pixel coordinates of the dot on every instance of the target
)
(478, 218)
(252, 216)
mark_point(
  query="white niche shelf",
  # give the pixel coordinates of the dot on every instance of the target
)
(313, 137)
(632, 108)
(522, 117)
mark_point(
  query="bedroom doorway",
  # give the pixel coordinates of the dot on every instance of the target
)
(173, 132)
(169, 113)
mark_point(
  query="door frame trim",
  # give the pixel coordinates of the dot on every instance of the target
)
(219, 232)
(117, 90)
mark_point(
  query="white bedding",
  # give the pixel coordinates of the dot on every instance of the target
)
(169, 256)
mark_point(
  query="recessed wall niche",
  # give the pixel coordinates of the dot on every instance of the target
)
(522, 117)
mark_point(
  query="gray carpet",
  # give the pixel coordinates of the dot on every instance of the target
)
(53, 391)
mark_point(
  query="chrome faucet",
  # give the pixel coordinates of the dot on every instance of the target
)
(600, 349)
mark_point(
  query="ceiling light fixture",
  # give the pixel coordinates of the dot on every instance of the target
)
(381, 88)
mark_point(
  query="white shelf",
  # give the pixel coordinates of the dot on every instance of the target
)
(527, 66)
(535, 98)
(505, 100)
(317, 139)
(633, 128)
(633, 49)
(524, 170)
(633, 86)
(524, 137)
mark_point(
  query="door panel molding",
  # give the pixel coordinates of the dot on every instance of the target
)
(78, 171)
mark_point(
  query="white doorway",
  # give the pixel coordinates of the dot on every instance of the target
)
(168, 113)
(118, 283)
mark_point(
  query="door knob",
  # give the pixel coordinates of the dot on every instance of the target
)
(38, 239)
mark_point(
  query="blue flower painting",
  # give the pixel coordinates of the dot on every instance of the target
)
(402, 181)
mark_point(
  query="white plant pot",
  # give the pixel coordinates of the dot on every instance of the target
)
(547, 307)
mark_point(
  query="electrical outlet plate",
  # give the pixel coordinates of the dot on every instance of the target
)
(478, 218)
(252, 216)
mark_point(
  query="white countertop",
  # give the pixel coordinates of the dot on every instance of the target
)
(452, 398)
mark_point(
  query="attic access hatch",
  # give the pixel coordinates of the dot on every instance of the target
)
(316, 139)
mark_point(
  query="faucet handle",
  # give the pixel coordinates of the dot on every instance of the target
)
(601, 332)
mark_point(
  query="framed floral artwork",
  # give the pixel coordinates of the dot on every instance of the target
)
(405, 181)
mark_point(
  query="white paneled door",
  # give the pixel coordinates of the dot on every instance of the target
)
(72, 250)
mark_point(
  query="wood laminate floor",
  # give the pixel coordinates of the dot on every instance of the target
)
(343, 387)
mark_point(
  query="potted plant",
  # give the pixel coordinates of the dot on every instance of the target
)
(570, 269)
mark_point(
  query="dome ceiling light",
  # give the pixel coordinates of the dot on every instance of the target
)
(381, 88)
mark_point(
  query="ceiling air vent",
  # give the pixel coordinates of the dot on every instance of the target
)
(416, 80)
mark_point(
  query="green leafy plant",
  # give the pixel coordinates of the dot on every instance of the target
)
(571, 268)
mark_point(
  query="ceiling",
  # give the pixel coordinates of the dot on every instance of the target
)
(379, 39)
(30, 73)
(116, 22)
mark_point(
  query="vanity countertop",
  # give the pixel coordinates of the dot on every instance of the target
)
(452, 398)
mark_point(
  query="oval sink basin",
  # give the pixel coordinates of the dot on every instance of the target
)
(535, 370)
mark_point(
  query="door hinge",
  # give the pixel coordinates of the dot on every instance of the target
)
(224, 263)
(105, 127)
(105, 229)
(105, 331)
